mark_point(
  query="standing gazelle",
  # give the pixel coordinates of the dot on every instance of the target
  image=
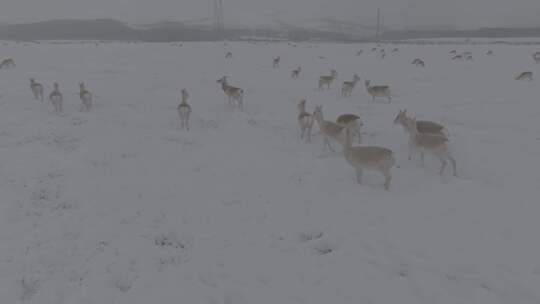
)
(86, 97)
(378, 91)
(7, 63)
(56, 99)
(353, 122)
(369, 158)
(234, 94)
(330, 130)
(275, 63)
(37, 89)
(348, 86)
(305, 120)
(436, 144)
(296, 73)
(423, 126)
(327, 80)
(184, 110)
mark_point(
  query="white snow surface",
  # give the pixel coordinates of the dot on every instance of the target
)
(120, 206)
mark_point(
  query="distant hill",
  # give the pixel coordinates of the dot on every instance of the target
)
(318, 30)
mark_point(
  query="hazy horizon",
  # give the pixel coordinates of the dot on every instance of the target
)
(462, 14)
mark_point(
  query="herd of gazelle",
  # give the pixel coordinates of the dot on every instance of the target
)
(57, 98)
(424, 136)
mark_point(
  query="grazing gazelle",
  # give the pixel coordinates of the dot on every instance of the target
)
(296, 73)
(228, 55)
(353, 122)
(234, 94)
(7, 63)
(453, 52)
(56, 99)
(37, 89)
(489, 53)
(348, 86)
(86, 97)
(330, 130)
(305, 120)
(525, 76)
(419, 63)
(359, 52)
(457, 58)
(423, 126)
(184, 110)
(275, 63)
(433, 143)
(536, 57)
(369, 158)
(327, 80)
(378, 91)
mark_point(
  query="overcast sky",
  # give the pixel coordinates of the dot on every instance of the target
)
(396, 13)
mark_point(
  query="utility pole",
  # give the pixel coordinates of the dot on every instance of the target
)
(218, 24)
(377, 35)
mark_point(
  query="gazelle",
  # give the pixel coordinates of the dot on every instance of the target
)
(353, 122)
(536, 57)
(453, 52)
(327, 80)
(423, 126)
(234, 94)
(469, 58)
(378, 91)
(56, 99)
(369, 158)
(7, 63)
(37, 89)
(275, 64)
(296, 73)
(489, 53)
(435, 144)
(305, 121)
(419, 63)
(330, 130)
(348, 86)
(359, 52)
(457, 58)
(228, 55)
(86, 97)
(395, 50)
(184, 110)
(525, 76)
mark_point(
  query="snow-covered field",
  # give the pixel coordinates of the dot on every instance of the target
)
(119, 206)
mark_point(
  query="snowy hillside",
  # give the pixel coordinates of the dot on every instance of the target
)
(120, 206)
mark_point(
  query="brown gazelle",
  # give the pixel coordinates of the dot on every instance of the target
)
(184, 111)
(86, 97)
(353, 122)
(7, 63)
(378, 91)
(330, 130)
(436, 144)
(369, 158)
(348, 86)
(525, 76)
(233, 94)
(423, 126)
(37, 89)
(305, 121)
(536, 57)
(296, 73)
(56, 99)
(275, 63)
(327, 80)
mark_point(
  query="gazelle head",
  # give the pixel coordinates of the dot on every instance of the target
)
(81, 86)
(56, 86)
(32, 80)
(401, 118)
(222, 80)
(367, 83)
(185, 95)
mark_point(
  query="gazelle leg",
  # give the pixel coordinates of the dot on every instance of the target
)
(443, 165)
(387, 179)
(359, 176)
(453, 162)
